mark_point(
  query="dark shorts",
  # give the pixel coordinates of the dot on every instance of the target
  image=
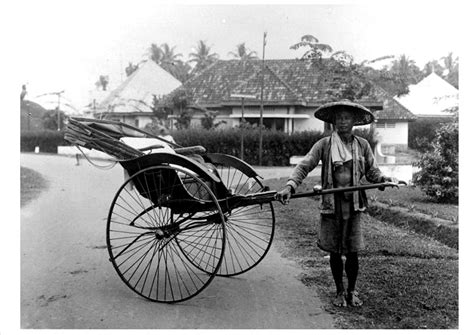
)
(340, 236)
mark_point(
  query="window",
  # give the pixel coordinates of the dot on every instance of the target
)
(389, 124)
(136, 123)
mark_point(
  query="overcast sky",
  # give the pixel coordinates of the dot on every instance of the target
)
(68, 44)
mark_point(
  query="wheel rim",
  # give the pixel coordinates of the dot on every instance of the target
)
(142, 236)
(249, 229)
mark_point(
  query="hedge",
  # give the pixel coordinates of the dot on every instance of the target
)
(46, 140)
(278, 146)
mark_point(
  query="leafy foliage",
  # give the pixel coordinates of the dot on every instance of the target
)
(130, 68)
(439, 177)
(202, 56)
(102, 82)
(183, 120)
(46, 140)
(50, 120)
(422, 133)
(208, 121)
(166, 57)
(316, 50)
(278, 146)
(243, 53)
(353, 83)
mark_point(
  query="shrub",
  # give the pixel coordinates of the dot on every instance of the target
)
(422, 132)
(438, 176)
(47, 140)
(277, 149)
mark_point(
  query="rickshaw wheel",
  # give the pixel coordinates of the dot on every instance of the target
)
(144, 224)
(249, 229)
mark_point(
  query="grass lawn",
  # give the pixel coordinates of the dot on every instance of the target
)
(406, 280)
(32, 183)
(416, 200)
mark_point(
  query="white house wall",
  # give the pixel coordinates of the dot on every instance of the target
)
(397, 135)
(309, 124)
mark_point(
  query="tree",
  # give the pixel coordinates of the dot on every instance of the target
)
(352, 83)
(438, 176)
(180, 70)
(202, 56)
(50, 119)
(179, 104)
(404, 73)
(433, 66)
(316, 50)
(243, 53)
(209, 120)
(396, 77)
(165, 57)
(130, 68)
(452, 65)
(102, 82)
(23, 92)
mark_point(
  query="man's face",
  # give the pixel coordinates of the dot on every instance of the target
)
(344, 121)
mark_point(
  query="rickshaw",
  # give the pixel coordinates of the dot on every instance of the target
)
(182, 216)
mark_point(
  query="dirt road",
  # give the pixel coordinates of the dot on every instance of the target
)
(68, 282)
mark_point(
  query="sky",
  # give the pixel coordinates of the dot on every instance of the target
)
(66, 45)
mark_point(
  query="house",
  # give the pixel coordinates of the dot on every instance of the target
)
(392, 122)
(131, 102)
(293, 89)
(431, 97)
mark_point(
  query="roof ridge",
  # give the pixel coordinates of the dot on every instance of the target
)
(294, 91)
(377, 87)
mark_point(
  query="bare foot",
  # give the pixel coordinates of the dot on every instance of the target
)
(340, 300)
(353, 299)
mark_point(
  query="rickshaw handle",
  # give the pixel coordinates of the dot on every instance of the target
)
(318, 191)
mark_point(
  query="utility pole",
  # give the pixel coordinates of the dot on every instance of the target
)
(242, 120)
(261, 101)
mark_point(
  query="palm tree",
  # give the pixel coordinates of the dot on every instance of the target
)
(243, 53)
(316, 49)
(165, 57)
(168, 55)
(405, 72)
(452, 65)
(449, 62)
(156, 54)
(203, 56)
(163, 54)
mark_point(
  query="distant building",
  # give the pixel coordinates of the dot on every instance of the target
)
(431, 97)
(131, 101)
(293, 90)
(392, 122)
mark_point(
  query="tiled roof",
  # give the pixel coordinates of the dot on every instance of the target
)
(287, 82)
(392, 109)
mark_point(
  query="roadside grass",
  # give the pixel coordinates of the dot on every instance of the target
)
(31, 185)
(414, 199)
(406, 280)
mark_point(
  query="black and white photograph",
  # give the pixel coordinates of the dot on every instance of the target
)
(241, 166)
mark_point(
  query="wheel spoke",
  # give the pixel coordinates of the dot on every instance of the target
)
(167, 255)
